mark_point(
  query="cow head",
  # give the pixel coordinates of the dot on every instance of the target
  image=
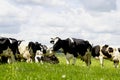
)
(44, 49)
(116, 57)
(54, 40)
(56, 43)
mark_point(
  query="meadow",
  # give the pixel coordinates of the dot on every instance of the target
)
(61, 71)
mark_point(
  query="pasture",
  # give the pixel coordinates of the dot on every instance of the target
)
(61, 71)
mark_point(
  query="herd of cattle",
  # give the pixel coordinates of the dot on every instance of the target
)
(12, 50)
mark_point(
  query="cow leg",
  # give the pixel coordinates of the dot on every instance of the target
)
(87, 57)
(41, 61)
(11, 59)
(67, 60)
(36, 59)
(116, 62)
(4, 59)
(68, 57)
(101, 60)
(29, 60)
(74, 60)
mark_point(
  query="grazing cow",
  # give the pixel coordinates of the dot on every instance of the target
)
(29, 50)
(33, 47)
(73, 48)
(106, 52)
(9, 44)
(49, 58)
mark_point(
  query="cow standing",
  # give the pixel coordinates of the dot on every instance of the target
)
(73, 48)
(10, 45)
(106, 52)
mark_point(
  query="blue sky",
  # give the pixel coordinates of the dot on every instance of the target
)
(38, 20)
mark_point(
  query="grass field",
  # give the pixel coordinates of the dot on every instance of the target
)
(61, 71)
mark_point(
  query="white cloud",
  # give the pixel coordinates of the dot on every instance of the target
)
(42, 2)
(11, 17)
(99, 5)
(39, 20)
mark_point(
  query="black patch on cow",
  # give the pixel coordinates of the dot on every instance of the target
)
(39, 59)
(95, 51)
(110, 49)
(14, 46)
(119, 49)
(105, 52)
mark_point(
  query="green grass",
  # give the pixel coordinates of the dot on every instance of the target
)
(61, 71)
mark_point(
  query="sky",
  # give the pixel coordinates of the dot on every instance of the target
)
(97, 21)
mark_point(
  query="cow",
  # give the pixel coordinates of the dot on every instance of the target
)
(34, 46)
(73, 48)
(11, 45)
(49, 58)
(28, 50)
(106, 52)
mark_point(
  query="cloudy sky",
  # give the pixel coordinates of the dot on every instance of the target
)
(38, 20)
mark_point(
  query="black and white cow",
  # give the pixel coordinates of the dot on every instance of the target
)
(33, 47)
(11, 45)
(73, 48)
(106, 52)
(28, 50)
(49, 58)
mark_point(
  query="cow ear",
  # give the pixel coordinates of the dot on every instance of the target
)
(57, 38)
(20, 41)
(51, 38)
(106, 45)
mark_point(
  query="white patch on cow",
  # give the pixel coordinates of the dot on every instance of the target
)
(9, 60)
(23, 43)
(10, 40)
(72, 41)
(101, 60)
(39, 54)
(68, 57)
(56, 40)
(23, 49)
